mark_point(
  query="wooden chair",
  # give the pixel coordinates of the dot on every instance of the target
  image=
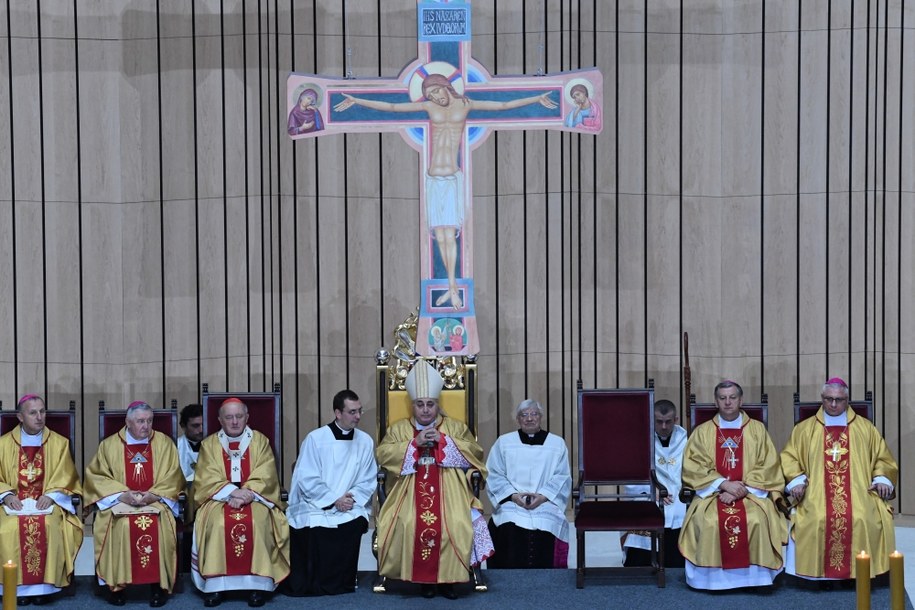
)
(61, 421)
(458, 401)
(703, 412)
(263, 415)
(803, 410)
(616, 448)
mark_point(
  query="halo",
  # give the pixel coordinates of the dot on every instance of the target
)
(298, 91)
(578, 81)
(434, 67)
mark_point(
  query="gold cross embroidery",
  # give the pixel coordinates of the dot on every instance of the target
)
(30, 473)
(836, 451)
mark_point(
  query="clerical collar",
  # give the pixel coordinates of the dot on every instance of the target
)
(30, 440)
(195, 446)
(133, 441)
(538, 438)
(665, 442)
(836, 420)
(730, 425)
(340, 435)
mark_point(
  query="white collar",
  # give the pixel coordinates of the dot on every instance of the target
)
(836, 420)
(30, 440)
(133, 441)
(730, 425)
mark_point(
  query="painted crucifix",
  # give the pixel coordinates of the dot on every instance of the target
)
(444, 104)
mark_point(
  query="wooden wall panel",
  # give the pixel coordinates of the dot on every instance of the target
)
(746, 189)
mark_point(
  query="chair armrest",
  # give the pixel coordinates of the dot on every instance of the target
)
(182, 505)
(76, 500)
(476, 481)
(284, 494)
(687, 494)
(380, 478)
(662, 490)
(576, 490)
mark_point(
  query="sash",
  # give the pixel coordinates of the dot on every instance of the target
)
(732, 518)
(33, 541)
(837, 465)
(138, 466)
(144, 544)
(427, 498)
(238, 522)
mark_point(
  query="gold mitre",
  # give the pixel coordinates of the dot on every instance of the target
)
(423, 381)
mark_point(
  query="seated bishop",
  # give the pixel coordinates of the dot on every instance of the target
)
(39, 529)
(732, 535)
(330, 502)
(241, 537)
(134, 481)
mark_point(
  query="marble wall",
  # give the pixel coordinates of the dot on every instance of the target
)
(753, 187)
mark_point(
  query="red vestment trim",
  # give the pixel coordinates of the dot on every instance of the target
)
(138, 466)
(732, 518)
(837, 466)
(144, 539)
(427, 497)
(238, 523)
(33, 542)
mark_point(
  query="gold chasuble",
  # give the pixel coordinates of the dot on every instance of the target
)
(44, 546)
(754, 531)
(424, 529)
(252, 540)
(838, 517)
(135, 546)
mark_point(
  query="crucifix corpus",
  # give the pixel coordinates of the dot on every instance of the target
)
(444, 104)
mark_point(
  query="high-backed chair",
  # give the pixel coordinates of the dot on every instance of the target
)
(803, 410)
(263, 415)
(616, 448)
(458, 401)
(165, 421)
(699, 413)
(61, 421)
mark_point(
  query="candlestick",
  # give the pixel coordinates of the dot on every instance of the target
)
(863, 580)
(897, 581)
(10, 578)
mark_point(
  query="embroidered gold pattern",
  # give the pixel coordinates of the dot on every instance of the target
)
(836, 475)
(428, 535)
(239, 536)
(144, 547)
(143, 522)
(32, 559)
(237, 516)
(428, 518)
(732, 525)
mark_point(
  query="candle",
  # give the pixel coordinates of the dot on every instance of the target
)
(897, 581)
(10, 578)
(863, 580)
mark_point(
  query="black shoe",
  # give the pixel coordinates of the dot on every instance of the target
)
(23, 601)
(447, 591)
(117, 598)
(157, 596)
(427, 591)
(256, 599)
(826, 585)
(211, 600)
(40, 600)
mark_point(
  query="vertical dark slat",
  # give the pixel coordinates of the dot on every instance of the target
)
(196, 181)
(317, 233)
(79, 228)
(244, 70)
(680, 329)
(524, 204)
(762, 205)
(346, 337)
(261, 155)
(225, 184)
(645, 192)
(867, 129)
(851, 150)
(381, 278)
(899, 310)
(44, 249)
(9, 47)
(295, 240)
(562, 229)
(616, 172)
(578, 172)
(797, 206)
(546, 240)
(886, 57)
(161, 177)
(828, 186)
(271, 294)
(280, 96)
(595, 242)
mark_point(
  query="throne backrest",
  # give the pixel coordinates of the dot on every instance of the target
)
(864, 408)
(61, 421)
(165, 421)
(699, 413)
(263, 415)
(616, 436)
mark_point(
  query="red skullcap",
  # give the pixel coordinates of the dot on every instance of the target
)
(27, 397)
(837, 381)
(229, 401)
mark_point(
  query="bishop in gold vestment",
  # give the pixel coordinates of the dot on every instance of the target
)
(35, 465)
(842, 473)
(135, 476)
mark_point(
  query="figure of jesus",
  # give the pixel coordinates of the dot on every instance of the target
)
(448, 111)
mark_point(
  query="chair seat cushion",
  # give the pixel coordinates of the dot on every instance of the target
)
(618, 516)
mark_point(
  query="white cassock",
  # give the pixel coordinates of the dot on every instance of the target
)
(187, 457)
(668, 464)
(515, 466)
(324, 471)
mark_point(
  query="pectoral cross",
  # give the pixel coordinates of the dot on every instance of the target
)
(837, 451)
(444, 104)
(731, 460)
(30, 472)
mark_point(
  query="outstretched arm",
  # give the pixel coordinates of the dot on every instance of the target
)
(350, 101)
(543, 99)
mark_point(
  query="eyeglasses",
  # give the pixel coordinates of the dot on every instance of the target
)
(531, 415)
(834, 399)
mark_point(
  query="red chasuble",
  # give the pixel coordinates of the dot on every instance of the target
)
(238, 522)
(732, 518)
(427, 498)
(838, 553)
(33, 543)
(144, 529)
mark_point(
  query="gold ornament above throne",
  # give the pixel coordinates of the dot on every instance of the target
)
(459, 395)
